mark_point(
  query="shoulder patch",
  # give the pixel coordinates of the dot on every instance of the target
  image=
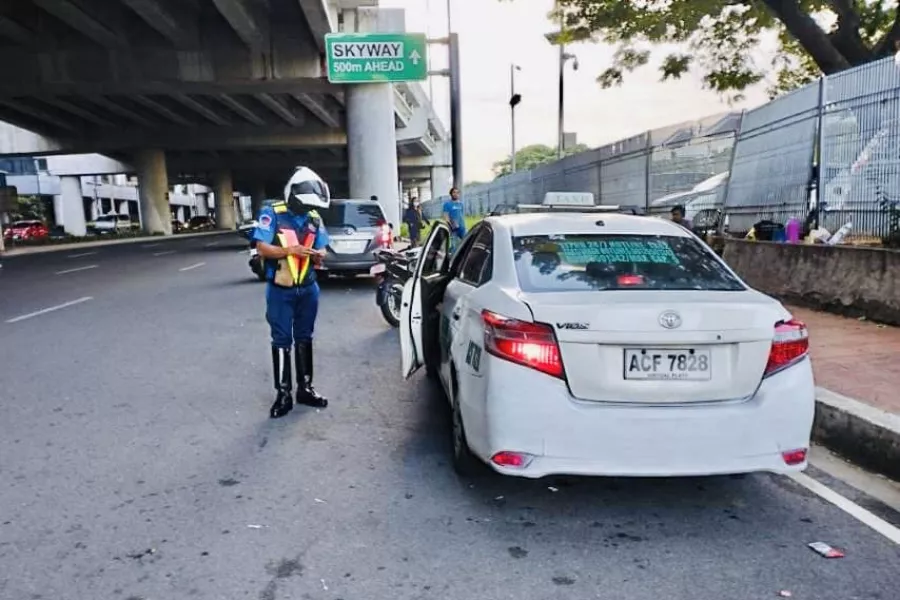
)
(265, 222)
(280, 207)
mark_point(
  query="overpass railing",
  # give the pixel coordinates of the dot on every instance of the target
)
(833, 145)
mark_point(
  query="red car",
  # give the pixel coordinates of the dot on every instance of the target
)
(21, 231)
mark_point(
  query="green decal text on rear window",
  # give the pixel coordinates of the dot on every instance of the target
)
(582, 252)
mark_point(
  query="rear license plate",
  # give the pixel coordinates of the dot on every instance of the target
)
(660, 364)
(347, 247)
(376, 269)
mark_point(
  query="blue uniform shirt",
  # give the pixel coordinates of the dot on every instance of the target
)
(454, 209)
(270, 222)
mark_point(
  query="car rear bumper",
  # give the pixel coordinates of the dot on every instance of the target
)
(532, 413)
(348, 262)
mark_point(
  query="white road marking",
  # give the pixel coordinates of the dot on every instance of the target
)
(51, 309)
(77, 269)
(151, 245)
(854, 510)
(164, 253)
(82, 254)
(211, 244)
(200, 264)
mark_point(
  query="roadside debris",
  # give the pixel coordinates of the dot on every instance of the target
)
(553, 489)
(785, 594)
(825, 550)
(256, 526)
(320, 501)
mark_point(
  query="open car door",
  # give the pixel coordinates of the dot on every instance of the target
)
(432, 259)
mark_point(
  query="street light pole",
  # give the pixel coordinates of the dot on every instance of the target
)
(514, 100)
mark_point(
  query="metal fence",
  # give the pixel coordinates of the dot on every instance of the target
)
(833, 145)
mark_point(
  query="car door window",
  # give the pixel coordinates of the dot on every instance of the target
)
(476, 268)
(435, 259)
(459, 259)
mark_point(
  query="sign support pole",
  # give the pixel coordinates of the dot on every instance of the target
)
(452, 41)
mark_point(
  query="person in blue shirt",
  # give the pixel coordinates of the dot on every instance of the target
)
(455, 217)
(291, 238)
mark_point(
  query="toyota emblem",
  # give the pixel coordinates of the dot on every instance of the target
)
(670, 319)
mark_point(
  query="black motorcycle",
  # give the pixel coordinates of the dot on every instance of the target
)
(392, 271)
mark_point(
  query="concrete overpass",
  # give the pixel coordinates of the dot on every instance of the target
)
(230, 93)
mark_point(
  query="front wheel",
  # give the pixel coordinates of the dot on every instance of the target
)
(390, 308)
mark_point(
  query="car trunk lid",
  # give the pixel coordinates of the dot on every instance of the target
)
(660, 347)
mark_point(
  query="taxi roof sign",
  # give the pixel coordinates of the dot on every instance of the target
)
(569, 199)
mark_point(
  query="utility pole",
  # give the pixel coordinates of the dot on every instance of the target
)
(514, 100)
(453, 72)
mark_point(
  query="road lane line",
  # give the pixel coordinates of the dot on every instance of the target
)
(200, 264)
(76, 269)
(164, 253)
(851, 508)
(211, 244)
(151, 245)
(48, 310)
(82, 254)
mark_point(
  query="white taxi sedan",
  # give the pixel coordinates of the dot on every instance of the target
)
(606, 344)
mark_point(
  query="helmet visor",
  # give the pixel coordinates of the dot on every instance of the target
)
(305, 188)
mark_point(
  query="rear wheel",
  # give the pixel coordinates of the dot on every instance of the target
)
(465, 463)
(390, 309)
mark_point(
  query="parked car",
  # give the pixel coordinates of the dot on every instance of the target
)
(618, 346)
(356, 228)
(21, 231)
(113, 223)
(201, 223)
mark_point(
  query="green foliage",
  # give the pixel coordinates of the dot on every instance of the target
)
(721, 37)
(532, 156)
(29, 208)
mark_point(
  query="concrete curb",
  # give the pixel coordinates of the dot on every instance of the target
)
(99, 244)
(867, 435)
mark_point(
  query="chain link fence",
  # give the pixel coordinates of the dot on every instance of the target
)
(827, 154)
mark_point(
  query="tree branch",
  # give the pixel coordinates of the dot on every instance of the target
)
(809, 35)
(887, 44)
(846, 38)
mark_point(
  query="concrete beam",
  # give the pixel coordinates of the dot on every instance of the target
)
(38, 115)
(82, 22)
(249, 24)
(120, 110)
(319, 20)
(206, 138)
(15, 32)
(9, 87)
(162, 110)
(235, 105)
(178, 31)
(70, 108)
(279, 109)
(201, 110)
(319, 109)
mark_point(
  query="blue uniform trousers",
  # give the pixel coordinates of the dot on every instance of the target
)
(291, 313)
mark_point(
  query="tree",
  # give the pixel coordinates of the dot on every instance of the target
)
(816, 36)
(532, 156)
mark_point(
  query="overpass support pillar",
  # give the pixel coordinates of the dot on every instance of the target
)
(154, 191)
(223, 187)
(71, 204)
(372, 146)
(257, 197)
(441, 180)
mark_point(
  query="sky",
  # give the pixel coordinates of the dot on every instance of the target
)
(494, 34)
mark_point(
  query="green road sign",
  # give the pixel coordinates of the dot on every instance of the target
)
(376, 57)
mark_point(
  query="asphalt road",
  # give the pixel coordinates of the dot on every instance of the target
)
(137, 462)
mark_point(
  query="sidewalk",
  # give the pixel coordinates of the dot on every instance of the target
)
(858, 359)
(858, 399)
(10, 253)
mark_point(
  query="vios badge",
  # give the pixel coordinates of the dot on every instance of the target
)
(670, 319)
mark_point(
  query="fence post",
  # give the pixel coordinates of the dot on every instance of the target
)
(647, 164)
(737, 138)
(818, 149)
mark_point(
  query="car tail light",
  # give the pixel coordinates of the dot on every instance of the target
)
(794, 457)
(511, 459)
(529, 344)
(627, 280)
(790, 345)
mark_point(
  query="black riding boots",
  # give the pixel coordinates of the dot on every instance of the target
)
(306, 393)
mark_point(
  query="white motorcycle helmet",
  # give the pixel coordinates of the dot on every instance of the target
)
(305, 191)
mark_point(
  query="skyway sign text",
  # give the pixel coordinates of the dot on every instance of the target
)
(376, 57)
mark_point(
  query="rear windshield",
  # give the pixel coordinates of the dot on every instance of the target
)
(352, 214)
(560, 263)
